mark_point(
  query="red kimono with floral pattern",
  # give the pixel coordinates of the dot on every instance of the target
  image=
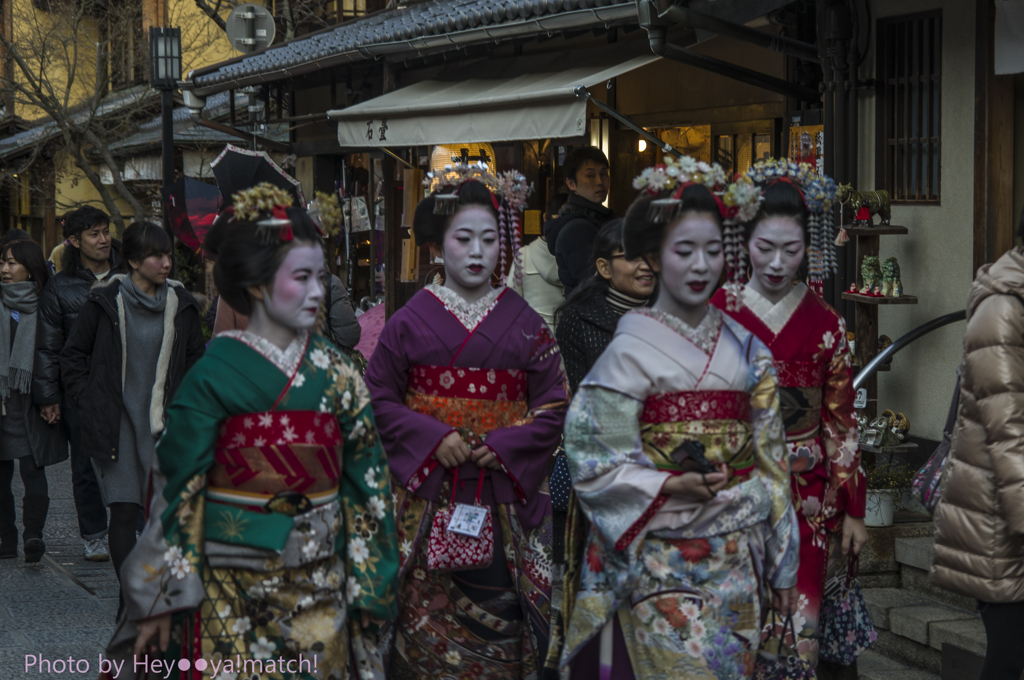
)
(807, 339)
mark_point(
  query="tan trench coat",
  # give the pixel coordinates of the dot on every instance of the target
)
(979, 522)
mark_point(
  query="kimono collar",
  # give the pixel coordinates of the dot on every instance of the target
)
(287, 360)
(469, 314)
(704, 336)
(774, 316)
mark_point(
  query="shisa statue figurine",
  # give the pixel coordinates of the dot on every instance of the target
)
(865, 205)
(892, 286)
(871, 276)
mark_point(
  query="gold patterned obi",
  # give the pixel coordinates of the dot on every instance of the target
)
(472, 400)
(800, 384)
(720, 420)
(282, 461)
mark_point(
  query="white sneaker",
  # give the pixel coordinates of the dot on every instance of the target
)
(96, 550)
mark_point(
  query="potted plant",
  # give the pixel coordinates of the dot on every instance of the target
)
(887, 484)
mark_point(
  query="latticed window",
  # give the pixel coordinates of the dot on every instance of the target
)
(909, 72)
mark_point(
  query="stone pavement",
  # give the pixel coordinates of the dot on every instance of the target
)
(61, 607)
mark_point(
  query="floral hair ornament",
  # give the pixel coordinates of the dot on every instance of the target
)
(325, 211)
(266, 205)
(509, 191)
(737, 202)
(818, 193)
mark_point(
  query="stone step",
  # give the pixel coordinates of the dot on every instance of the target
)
(916, 581)
(872, 665)
(915, 552)
(913, 628)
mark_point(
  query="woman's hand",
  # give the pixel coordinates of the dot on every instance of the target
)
(51, 413)
(484, 457)
(855, 535)
(452, 451)
(784, 601)
(160, 626)
(365, 619)
(702, 487)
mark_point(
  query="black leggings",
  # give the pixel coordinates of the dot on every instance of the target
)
(1004, 657)
(121, 538)
(33, 477)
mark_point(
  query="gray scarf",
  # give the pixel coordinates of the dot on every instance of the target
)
(23, 297)
(140, 299)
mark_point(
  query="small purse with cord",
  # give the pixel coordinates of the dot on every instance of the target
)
(778, 661)
(461, 535)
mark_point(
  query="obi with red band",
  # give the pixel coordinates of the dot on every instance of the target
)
(696, 405)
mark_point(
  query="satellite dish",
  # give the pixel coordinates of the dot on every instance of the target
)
(250, 27)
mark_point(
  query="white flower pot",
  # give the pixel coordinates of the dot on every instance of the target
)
(881, 504)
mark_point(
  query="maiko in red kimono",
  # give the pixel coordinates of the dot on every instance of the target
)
(807, 339)
(491, 371)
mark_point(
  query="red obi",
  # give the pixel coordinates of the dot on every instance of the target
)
(800, 373)
(468, 383)
(261, 455)
(473, 401)
(673, 407)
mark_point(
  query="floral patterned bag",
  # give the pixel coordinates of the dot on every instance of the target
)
(451, 548)
(845, 630)
(778, 661)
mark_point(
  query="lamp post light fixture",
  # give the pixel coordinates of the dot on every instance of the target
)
(164, 74)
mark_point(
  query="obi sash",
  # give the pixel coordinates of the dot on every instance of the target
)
(473, 401)
(800, 384)
(271, 461)
(720, 420)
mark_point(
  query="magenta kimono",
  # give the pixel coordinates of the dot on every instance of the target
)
(491, 371)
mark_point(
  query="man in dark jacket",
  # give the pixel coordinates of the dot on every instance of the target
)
(89, 257)
(571, 235)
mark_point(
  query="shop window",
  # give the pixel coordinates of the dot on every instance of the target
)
(738, 152)
(909, 73)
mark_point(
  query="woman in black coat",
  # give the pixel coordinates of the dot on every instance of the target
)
(121, 395)
(586, 320)
(25, 435)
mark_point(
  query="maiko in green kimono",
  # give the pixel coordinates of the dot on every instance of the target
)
(270, 549)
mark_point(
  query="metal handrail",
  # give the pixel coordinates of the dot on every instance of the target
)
(905, 340)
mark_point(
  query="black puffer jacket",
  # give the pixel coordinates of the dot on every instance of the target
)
(93, 356)
(584, 331)
(570, 238)
(62, 299)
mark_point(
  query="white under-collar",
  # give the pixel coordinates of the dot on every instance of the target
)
(774, 316)
(469, 314)
(287, 359)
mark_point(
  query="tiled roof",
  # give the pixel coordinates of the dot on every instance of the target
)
(424, 27)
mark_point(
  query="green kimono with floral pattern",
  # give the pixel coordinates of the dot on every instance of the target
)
(270, 593)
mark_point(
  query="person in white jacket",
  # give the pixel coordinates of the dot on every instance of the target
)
(540, 286)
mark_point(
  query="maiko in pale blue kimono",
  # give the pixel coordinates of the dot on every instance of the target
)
(685, 579)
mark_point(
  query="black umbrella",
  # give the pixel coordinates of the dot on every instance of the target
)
(192, 206)
(237, 169)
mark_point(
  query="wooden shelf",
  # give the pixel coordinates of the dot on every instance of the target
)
(884, 450)
(872, 300)
(891, 230)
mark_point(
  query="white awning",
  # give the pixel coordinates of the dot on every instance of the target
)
(527, 97)
(1009, 37)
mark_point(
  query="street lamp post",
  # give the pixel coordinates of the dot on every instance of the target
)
(164, 74)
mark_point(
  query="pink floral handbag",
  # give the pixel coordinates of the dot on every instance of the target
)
(461, 536)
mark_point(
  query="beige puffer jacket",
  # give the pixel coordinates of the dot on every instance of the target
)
(979, 538)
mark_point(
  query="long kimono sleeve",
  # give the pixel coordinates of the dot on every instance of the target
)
(839, 433)
(409, 438)
(782, 534)
(369, 539)
(162, 573)
(617, 485)
(524, 448)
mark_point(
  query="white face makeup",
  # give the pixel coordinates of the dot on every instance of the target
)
(690, 265)
(776, 251)
(470, 252)
(298, 289)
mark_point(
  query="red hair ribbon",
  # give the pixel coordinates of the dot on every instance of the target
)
(281, 213)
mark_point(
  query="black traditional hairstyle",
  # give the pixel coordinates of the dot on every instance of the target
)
(577, 158)
(429, 227)
(643, 237)
(142, 239)
(245, 258)
(75, 222)
(29, 255)
(781, 199)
